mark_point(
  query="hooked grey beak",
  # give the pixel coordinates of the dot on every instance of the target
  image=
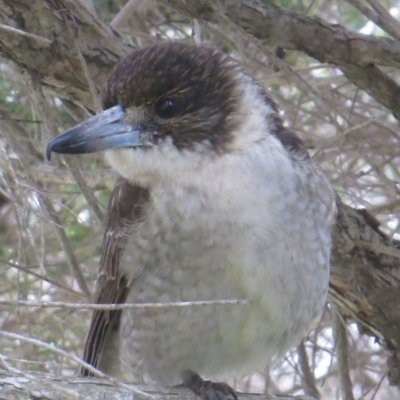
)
(103, 131)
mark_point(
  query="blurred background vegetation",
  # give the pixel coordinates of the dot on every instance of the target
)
(51, 233)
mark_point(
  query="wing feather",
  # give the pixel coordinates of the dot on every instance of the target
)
(125, 208)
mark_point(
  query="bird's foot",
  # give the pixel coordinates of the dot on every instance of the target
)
(208, 390)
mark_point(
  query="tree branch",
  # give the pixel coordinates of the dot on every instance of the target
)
(381, 20)
(30, 386)
(352, 52)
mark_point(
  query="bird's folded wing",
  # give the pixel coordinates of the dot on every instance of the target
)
(125, 208)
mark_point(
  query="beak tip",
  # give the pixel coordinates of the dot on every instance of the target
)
(49, 150)
(48, 153)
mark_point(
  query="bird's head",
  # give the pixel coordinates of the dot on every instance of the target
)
(172, 99)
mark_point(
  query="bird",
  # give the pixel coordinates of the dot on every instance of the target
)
(216, 200)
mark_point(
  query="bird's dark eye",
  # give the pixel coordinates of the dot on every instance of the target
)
(168, 108)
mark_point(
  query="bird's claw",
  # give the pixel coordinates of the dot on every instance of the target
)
(208, 390)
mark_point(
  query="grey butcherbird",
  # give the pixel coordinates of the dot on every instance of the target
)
(217, 200)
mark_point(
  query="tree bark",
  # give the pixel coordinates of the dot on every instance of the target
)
(355, 54)
(49, 387)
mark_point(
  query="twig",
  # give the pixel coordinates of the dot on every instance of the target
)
(125, 306)
(52, 214)
(378, 385)
(124, 14)
(90, 6)
(23, 33)
(41, 277)
(389, 24)
(378, 248)
(92, 86)
(17, 372)
(66, 245)
(86, 190)
(39, 104)
(317, 97)
(77, 360)
(19, 210)
(307, 375)
(342, 356)
(98, 179)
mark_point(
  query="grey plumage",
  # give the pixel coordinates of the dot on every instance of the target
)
(217, 201)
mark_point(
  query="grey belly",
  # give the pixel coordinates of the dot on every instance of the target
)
(158, 344)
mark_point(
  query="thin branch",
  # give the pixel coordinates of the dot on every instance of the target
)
(375, 17)
(342, 356)
(48, 384)
(13, 194)
(92, 86)
(326, 42)
(99, 179)
(356, 54)
(90, 6)
(379, 248)
(125, 13)
(10, 29)
(86, 190)
(77, 360)
(307, 376)
(27, 270)
(378, 385)
(12, 137)
(124, 306)
(40, 105)
(390, 24)
(317, 97)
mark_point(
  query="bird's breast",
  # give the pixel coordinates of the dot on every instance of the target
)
(253, 238)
